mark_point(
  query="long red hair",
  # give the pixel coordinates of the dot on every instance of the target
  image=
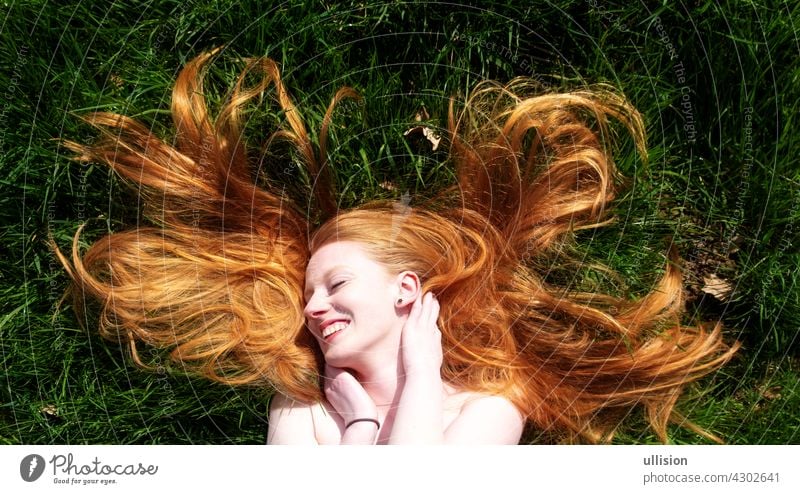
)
(218, 277)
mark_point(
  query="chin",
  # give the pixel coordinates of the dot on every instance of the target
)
(336, 359)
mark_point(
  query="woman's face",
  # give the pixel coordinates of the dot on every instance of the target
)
(349, 302)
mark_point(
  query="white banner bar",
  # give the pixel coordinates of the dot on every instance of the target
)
(399, 469)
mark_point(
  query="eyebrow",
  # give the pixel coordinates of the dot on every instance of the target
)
(306, 289)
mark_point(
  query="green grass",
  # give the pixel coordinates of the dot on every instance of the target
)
(720, 105)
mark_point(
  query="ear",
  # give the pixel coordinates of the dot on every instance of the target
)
(408, 289)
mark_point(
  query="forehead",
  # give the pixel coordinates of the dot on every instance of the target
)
(344, 254)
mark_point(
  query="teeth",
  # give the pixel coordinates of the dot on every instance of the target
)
(334, 328)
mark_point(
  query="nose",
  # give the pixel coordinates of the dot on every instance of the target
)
(317, 306)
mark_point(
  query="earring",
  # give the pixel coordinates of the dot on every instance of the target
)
(399, 301)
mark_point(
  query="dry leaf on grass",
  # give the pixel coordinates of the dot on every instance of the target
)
(717, 287)
(421, 131)
(426, 132)
(772, 393)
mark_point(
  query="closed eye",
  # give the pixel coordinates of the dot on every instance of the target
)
(337, 285)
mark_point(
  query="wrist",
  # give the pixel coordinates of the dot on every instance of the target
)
(422, 371)
(365, 420)
(360, 431)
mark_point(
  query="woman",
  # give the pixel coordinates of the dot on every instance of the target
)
(382, 348)
(226, 277)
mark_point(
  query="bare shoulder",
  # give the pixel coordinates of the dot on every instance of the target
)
(290, 421)
(490, 404)
(473, 400)
(294, 422)
(280, 401)
(485, 419)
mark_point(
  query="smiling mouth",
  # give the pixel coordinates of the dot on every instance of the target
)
(333, 329)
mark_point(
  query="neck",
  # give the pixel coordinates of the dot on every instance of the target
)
(382, 379)
(385, 388)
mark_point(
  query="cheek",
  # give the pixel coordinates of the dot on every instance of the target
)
(384, 307)
(366, 293)
(371, 303)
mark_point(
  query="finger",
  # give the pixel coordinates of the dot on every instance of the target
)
(414, 318)
(427, 306)
(423, 308)
(433, 311)
(416, 309)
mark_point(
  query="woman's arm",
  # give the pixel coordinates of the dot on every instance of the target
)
(353, 405)
(419, 418)
(291, 422)
(482, 420)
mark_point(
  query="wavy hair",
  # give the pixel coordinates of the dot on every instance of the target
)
(217, 277)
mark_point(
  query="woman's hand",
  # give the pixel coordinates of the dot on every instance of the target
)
(351, 402)
(347, 396)
(421, 341)
(419, 418)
